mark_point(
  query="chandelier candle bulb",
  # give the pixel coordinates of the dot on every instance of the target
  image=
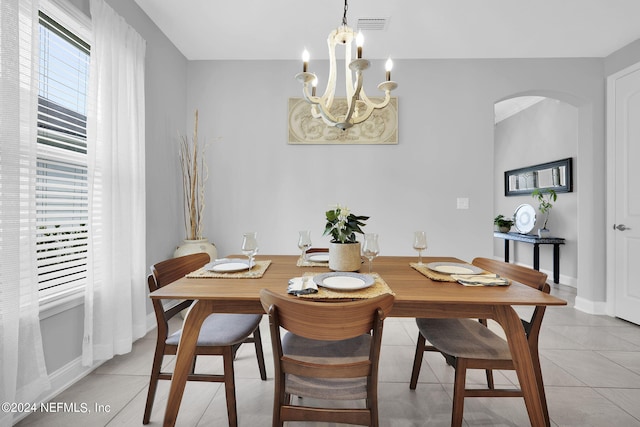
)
(359, 43)
(388, 66)
(305, 60)
(314, 84)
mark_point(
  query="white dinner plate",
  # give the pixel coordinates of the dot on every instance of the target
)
(228, 265)
(343, 281)
(318, 257)
(525, 218)
(454, 268)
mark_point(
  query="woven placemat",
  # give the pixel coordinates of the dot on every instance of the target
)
(306, 263)
(255, 273)
(433, 275)
(378, 288)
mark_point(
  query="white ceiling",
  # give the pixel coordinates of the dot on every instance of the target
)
(281, 29)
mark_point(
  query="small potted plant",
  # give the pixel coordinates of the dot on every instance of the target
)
(344, 249)
(545, 197)
(503, 224)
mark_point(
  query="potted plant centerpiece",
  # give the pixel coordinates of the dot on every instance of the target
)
(344, 249)
(503, 224)
(194, 176)
(545, 197)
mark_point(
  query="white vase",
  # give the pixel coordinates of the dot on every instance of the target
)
(344, 256)
(543, 233)
(196, 246)
(189, 247)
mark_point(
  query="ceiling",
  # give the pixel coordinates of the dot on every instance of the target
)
(281, 29)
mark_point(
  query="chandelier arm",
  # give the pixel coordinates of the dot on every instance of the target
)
(353, 99)
(318, 109)
(327, 96)
(307, 95)
(351, 105)
(382, 104)
(349, 86)
(364, 118)
(318, 112)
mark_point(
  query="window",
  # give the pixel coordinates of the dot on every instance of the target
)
(61, 188)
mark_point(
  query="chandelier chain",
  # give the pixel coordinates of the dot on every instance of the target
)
(344, 17)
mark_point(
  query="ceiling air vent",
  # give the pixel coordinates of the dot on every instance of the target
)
(372, 24)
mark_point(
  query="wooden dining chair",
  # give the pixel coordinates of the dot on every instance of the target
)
(220, 334)
(330, 351)
(470, 344)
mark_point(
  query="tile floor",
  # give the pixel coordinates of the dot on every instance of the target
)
(591, 367)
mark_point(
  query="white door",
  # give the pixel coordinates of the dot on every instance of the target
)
(624, 186)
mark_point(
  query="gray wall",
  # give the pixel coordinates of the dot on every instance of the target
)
(446, 151)
(544, 132)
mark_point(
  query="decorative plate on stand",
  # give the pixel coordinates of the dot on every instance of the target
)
(525, 218)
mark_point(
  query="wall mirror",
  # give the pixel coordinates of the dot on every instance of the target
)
(554, 175)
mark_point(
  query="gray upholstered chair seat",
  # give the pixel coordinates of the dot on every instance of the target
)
(326, 352)
(466, 338)
(222, 329)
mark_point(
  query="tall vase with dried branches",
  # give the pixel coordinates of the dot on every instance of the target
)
(194, 176)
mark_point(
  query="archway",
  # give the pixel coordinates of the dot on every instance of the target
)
(577, 212)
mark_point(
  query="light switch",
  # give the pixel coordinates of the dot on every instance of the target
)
(463, 203)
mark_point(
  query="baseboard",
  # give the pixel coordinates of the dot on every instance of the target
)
(590, 307)
(61, 380)
(564, 279)
(73, 372)
(151, 321)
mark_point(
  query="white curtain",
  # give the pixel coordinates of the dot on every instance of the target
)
(23, 374)
(115, 297)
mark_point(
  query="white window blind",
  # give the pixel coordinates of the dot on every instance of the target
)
(61, 189)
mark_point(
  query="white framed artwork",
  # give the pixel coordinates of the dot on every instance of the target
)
(380, 128)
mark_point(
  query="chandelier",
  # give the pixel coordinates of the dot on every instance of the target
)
(359, 106)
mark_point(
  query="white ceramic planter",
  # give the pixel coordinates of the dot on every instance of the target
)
(196, 246)
(344, 256)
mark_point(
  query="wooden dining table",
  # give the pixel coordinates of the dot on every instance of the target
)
(415, 296)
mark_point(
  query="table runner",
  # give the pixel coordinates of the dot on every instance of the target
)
(255, 273)
(378, 288)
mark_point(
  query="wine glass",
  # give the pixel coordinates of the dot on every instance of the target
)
(419, 243)
(370, 248)
(250, 246)
(304, 241)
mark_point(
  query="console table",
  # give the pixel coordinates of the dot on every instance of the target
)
(536, 241)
